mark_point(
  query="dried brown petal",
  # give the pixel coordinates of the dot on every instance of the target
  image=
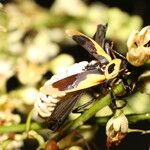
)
(52, 145)
(115, 139)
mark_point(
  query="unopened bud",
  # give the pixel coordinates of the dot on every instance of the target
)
(116, 129)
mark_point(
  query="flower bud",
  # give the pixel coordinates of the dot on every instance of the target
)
(116, 129)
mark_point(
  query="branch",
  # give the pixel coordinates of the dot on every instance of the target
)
(132, 118)
(98, 105)
(86, 115)
(19, 128)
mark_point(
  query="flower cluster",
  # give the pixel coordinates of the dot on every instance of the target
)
(10, 139)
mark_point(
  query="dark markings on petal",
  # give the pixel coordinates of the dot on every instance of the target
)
(147, 44)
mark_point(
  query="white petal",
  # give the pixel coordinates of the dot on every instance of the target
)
(117, 124)
(109, 124)
(124, 126)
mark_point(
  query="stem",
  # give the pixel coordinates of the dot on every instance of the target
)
(132, 118)
(135, 130)
(36, 136)
(19, 128)
(28, 122)
(98, 105)
(138, 117)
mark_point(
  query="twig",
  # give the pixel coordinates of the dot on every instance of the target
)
(28, 122)
(98, 105)
(19, 128)
(73, 124)
(132, 118)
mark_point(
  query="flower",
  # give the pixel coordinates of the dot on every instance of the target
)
(139, 47)
(10, 140)
(116, 129)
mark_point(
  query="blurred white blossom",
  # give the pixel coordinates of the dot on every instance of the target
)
(70, 7)
(39, 53)
(8, 118)
(61, 63)
(29, 95)
(14, 141)
(29, 73)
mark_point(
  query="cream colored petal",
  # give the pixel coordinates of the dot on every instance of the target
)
(117, 124)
